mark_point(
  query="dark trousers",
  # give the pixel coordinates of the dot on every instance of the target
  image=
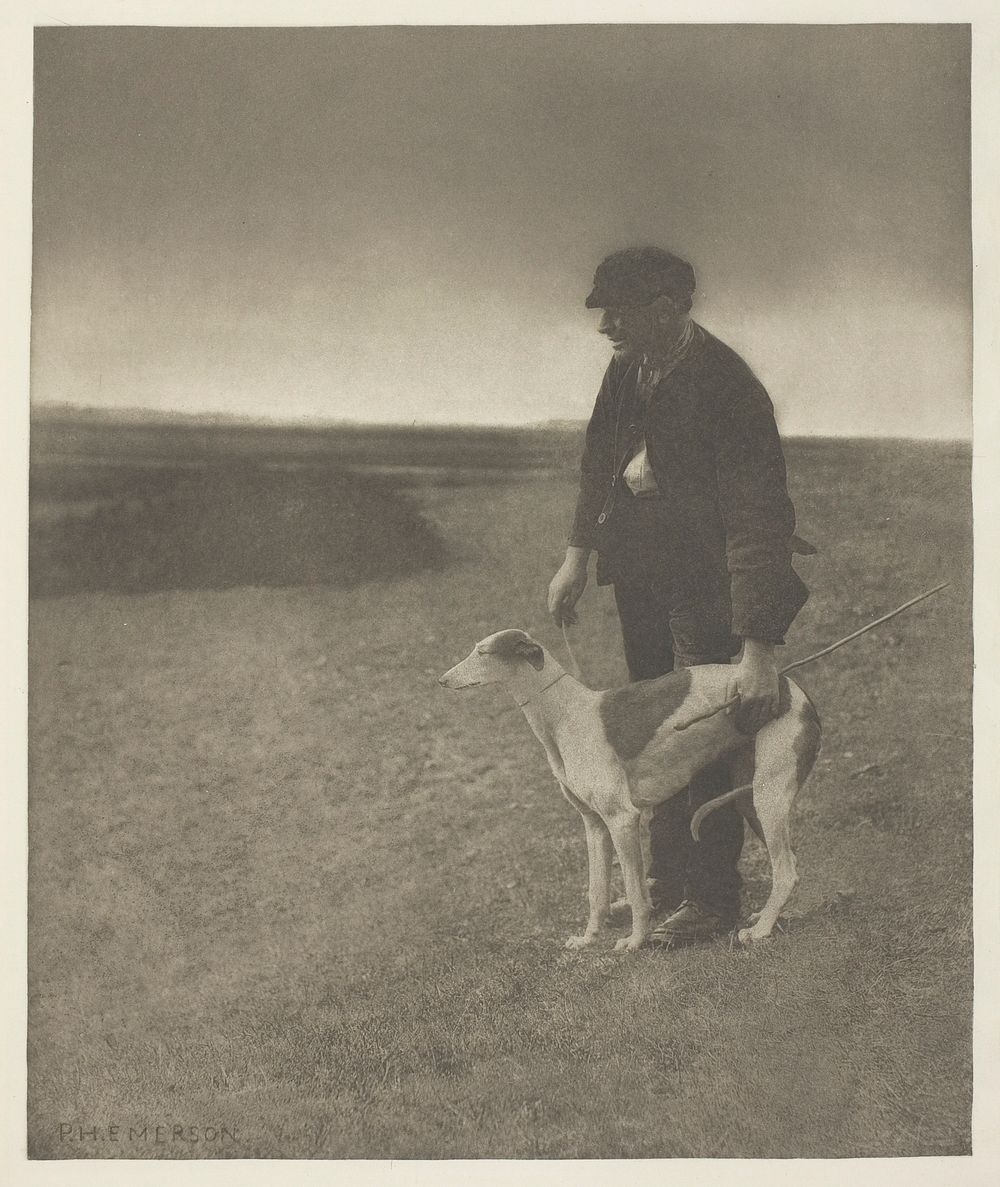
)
(661, 629)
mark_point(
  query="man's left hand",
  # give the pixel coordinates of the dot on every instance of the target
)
(754, 679)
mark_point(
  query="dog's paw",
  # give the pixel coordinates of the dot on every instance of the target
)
(753, 935)
(583, 941)
(630, 943)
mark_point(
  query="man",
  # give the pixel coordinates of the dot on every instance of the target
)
(683, 496)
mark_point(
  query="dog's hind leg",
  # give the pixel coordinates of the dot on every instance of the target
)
(599, 849)
(785, 751)
(773, 793)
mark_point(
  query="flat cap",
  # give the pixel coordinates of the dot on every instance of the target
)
(638, 275)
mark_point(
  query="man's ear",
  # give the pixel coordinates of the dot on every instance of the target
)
(665, 307)
(532, 653)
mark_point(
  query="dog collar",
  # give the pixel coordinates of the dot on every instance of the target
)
(537, 691)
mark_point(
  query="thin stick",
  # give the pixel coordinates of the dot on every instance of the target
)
(878, 622)
(799, 663)
(684, 725)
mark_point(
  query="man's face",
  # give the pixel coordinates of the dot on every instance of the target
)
(631, 328)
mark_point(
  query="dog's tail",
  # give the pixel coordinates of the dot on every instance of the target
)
(719, 802)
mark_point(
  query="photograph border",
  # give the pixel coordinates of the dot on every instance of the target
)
(15, 208)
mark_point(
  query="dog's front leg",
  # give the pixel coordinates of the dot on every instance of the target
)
(599, 875)
(625, 832)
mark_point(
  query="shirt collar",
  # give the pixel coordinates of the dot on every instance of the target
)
(674, 353)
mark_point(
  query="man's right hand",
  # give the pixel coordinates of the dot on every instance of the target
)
(567, 586)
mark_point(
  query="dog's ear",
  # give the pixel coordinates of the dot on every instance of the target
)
(513, 645)
(532, 653)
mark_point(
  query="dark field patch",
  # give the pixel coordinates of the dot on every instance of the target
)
(136, 529)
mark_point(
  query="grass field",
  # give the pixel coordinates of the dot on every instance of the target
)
(291, 898)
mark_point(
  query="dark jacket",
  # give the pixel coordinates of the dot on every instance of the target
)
(724, 509)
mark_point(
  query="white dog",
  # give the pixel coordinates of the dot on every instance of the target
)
(616, 753)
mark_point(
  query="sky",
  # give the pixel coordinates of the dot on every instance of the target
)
(401, 224)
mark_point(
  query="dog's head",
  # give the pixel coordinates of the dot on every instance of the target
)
(495, 660)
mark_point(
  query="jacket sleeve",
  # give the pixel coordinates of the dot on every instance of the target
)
(757, 514)
(597, 464)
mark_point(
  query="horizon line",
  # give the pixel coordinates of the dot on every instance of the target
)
(135, 413)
